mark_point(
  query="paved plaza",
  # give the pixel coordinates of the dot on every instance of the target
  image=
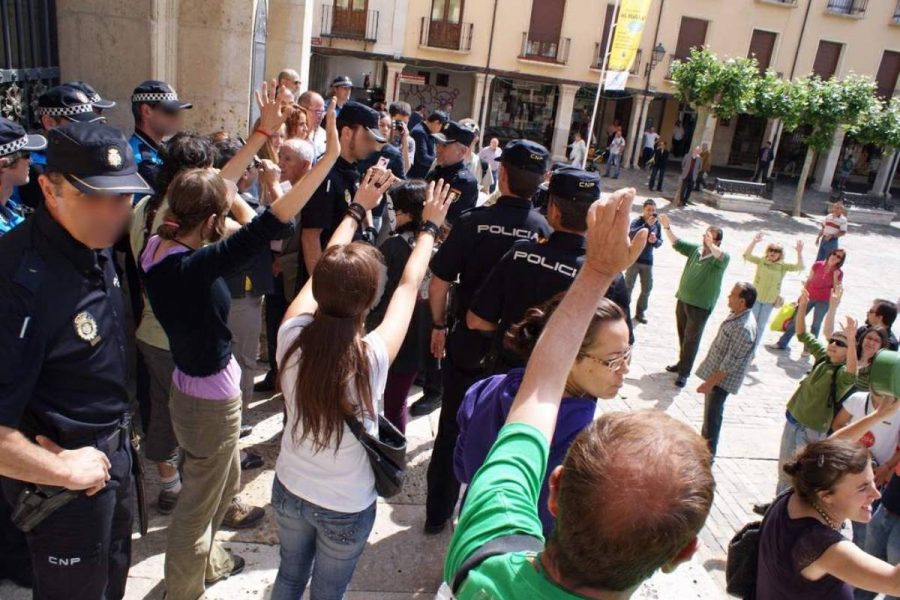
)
(401, 563)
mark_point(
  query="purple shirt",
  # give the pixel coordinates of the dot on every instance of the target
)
(786, 547)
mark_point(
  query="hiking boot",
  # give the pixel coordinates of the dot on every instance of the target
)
(166, 501)
(239, 564)
(241, 516)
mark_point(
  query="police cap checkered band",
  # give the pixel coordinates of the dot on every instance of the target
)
(13, 146)
(155, 97)
(64, 111)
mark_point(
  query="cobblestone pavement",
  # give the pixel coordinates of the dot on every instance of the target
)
(401, 563)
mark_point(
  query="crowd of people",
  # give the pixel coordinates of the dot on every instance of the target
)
(374, 250)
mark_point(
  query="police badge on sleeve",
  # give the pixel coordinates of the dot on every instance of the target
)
(86, 327)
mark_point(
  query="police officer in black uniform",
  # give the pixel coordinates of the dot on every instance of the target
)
(453, 141)
(157, 115)
(533, 272)
(65, 452)
(476, 243)
(100, 103)
(58, 105)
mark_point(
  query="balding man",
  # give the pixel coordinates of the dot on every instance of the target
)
(314, 105)
(290, 79)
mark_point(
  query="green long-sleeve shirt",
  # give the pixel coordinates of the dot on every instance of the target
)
(809, 405)
(701, 279)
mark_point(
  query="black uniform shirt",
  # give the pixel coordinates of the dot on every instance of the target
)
(461, 181)
(480, 239)
(62, 342)
(532, 273)
(328, 204)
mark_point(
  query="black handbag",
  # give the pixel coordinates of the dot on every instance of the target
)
(742, 561)
(387, 454)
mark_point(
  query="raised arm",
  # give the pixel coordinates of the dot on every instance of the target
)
(857, 429)
(400, 309)
(828, 323)
(850, 333)
(847, 562)
(748, 253)
(799, 246)
(609, 251)
(800, 315)
(667, 227)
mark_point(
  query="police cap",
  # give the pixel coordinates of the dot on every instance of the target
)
(95, 158)
(14, 139)
(526, 155)
(161, 92)
(574, 183)
(455, 132)
(342, 81)
(67, 102)
(355, 113)
(91, 94)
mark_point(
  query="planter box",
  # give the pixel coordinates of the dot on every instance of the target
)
(737, 202)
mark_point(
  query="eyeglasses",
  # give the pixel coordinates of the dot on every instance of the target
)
(837, 342)
(613, 364)
(773, 251)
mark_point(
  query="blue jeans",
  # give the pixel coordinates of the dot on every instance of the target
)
(713, 412)
(615, 164)
(820, 308)
(312, 538)
(761, 311)
(826, 247)
(794, 437)
(882, 541)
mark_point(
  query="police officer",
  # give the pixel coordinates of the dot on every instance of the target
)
(476, 243)
(421, 134)
(533, 272)
(63, 399)
(100, 103)
(58, 105)
(453, 142)
(358, 129)
(341, 90)
(157, 115)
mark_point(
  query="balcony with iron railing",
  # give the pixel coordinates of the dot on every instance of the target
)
(349, 24)
(896, 19)
(553, 52)
(849, 8)
(787, 3)
(445, 35)
(598, 60)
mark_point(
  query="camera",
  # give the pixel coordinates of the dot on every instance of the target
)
(399, 126)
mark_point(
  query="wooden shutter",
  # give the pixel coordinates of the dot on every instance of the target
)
(762, 46)
(607, 25)
(827, 58)
(887, 74)
(546, 20)
(691, 35)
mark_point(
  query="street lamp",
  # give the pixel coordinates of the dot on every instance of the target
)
(657, 55)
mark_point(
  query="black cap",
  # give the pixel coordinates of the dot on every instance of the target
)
(439, 115)
(91, 94)
(526, 155)
(95, 158)
(14, 139)
(159, 91)
(67, 102)
(455, 132)
(355, 113)
(342, 81)
(571, 183)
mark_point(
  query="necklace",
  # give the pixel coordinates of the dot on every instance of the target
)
(824, 515)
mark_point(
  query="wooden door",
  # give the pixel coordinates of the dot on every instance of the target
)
(545, 28)
(691, 35)
(349, 18)
(827, 57)
(762, 46)
(445, 28)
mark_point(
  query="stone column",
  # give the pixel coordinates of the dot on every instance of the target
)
(636, 142)
(828, 163)
(392, 81)
(563, 120)
(885, 171)
(289, 38)
(481, 84)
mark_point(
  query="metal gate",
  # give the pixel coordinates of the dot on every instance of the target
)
(29, 63)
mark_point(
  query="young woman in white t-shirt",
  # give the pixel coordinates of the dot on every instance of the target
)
(324, 490)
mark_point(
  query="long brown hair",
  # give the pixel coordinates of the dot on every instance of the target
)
(332, 362)
(194, 195)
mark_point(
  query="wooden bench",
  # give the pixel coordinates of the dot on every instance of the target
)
(744, 188)
(740, 196)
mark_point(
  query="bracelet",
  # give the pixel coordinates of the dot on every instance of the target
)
(356, 212)
(437, 327)
(430, 227)
(263, 131)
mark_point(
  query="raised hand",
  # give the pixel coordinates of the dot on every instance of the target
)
(850, 326)
(837, 292)
(799, 246)
(437, 202)
(272, 111)
(758, 237)
(664, 219)
(375, 183)
(609, 249)
(803, 301)
(269, 172)
(332, 137)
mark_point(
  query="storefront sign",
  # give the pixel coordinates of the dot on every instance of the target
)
(627, 39)
(316, 41)
(412, 79)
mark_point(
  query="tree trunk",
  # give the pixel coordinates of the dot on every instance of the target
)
(699, 128)
(801, 184)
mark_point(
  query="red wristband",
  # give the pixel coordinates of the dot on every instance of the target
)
(263, 131)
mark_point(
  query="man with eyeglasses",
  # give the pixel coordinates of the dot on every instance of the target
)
(290, 80)
(727, 361)
(314, 106)
(882, 314)
(157, 116)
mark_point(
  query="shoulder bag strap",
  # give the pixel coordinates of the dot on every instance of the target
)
(497, 546)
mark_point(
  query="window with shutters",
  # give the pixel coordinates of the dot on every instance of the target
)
(691, 35)
(543, 40)
(604, 39)
(762, 47)
(888, 71)
(827, 57)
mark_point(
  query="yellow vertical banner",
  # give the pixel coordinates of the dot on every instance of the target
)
(626, 41)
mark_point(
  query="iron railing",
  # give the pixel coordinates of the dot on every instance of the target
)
(349, 24)
(598, 59)
(446, 35)
(847, 7)
(556, 51)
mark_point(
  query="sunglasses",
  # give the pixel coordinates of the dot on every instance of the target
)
(773, 251)
(613, 364)
(838, 342)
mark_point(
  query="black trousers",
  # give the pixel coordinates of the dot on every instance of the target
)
(657, 171)
(690, 321)
(276, 306)
(15, 561)
(646, 154)
(83, 550)
(687, 186)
